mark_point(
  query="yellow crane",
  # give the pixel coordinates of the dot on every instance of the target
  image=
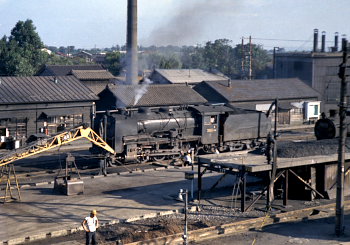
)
(6, 161)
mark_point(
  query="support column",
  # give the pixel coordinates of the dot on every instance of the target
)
(199, 186)
(243, 190)
(285, 188)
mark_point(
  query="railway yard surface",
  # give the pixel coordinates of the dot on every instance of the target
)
(139, 203)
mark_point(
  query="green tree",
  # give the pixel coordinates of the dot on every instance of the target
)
(21, 53)
(171, 62)
(114, 62)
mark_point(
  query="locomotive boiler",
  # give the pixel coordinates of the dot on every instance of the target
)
(158, 133)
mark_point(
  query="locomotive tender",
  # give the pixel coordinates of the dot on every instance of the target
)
(156, 133)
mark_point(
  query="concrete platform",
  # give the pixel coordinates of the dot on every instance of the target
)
(258, 163)
(114, 197)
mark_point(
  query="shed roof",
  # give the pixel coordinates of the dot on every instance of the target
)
(257, 90)
(188, 75)
(43, 89)
(155, 95)
(63, 70)
(84, 75)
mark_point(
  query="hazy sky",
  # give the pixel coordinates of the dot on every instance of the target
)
(86, 23)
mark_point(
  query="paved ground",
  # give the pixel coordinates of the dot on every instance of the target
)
(318, 231)
(115, 197)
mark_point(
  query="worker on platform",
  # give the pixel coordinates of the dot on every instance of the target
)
(90, 224)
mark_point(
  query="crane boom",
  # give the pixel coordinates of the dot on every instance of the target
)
(55, 141)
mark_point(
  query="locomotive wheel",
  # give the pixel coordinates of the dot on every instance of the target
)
(142, 159)
(158, 158)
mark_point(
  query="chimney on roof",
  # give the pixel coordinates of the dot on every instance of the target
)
(343, 42)
(131, 44)
(229, 83)
(336, 37)
(323, 42)
(55, 80)
(315, 40)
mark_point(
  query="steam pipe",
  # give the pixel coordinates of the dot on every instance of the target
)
(131, 44)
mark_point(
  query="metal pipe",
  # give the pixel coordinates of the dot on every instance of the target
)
(323, 42)
(315, 40)
(336, 37)
(131, 44)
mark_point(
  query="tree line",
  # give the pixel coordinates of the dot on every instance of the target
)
(23, 54)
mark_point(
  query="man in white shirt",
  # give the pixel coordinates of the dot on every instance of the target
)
(90, 224)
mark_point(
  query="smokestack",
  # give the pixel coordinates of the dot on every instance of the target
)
(315, 40)
(323, 42)
(336, 37)
(343, 42)
(131, 44)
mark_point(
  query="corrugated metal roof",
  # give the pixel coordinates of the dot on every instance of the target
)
(41, 89)
(63, 70)
(188, 75)
(155, 95)
(92, 74)
(255, 90)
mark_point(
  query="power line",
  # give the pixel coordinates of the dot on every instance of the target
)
(286, 40)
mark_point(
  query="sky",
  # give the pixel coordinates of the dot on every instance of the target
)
(102, 23)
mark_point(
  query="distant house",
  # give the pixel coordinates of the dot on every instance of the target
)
(64, 70)
(42, 104)
(128, 96)
(96, 80)
(93, 76)
(298, 102)
(183, 76)
(84, 55)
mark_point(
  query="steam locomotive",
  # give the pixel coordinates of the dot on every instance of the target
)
(158, 133)
(328, 128)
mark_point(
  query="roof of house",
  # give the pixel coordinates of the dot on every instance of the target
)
(83, 75)
(188, 75)
(43, 89)
(63, 70)
(256, 90)
(155, 95)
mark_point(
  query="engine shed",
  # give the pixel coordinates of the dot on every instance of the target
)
(307, 177)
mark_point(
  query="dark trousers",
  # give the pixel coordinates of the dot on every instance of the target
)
(91, 238)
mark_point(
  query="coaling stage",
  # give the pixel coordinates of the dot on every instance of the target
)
(305, 178)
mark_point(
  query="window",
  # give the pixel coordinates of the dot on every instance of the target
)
(14, 127)
(316, 110)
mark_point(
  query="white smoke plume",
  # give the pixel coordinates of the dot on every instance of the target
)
(141, 90)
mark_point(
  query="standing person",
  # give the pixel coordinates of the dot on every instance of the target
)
(187, 160)
(90, 224)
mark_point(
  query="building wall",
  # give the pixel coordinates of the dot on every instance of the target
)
(33, 113)
(294, 66)
(156, 78)
(318, 70)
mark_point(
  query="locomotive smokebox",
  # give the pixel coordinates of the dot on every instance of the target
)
(131, 44)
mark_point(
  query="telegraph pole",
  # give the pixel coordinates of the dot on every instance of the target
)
(339, 213)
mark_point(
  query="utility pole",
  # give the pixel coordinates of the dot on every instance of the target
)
(339, 212)
(274, 61)
(243, 60)
(250, 58)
